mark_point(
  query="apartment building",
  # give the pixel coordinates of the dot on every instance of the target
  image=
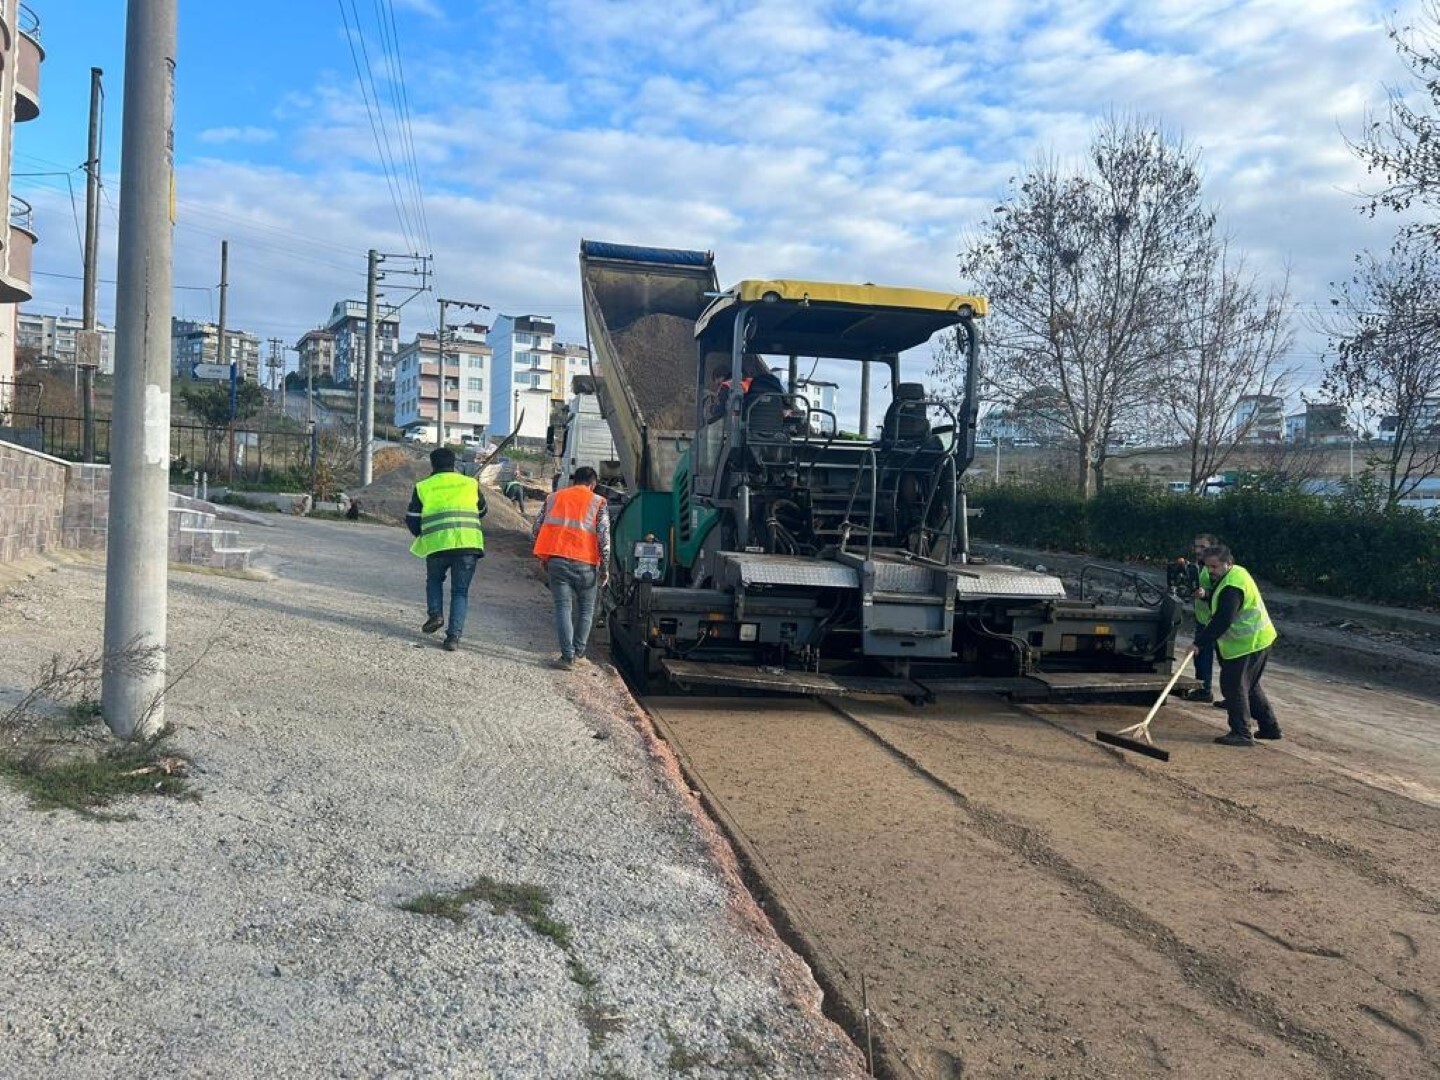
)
(817, 394)
(20, 59)
(195, 352)
(467, 368)
(316, 349)
(566, 361)
(1261, 417)
(60, 339)
(522, 370)
(347, 328)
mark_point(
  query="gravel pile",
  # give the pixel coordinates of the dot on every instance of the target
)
(346, 765)
(659, 356)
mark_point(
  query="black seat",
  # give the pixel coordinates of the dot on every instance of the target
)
(906, 423)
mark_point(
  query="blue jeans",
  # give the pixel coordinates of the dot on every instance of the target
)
(572, 581)
(1205, 667)
(460, 565)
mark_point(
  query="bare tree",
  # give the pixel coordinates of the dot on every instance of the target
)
(1385, 329)
(1403, 145)
(1083, 270)
(1231, 338)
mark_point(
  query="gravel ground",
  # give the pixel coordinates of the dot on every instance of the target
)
(345, 765)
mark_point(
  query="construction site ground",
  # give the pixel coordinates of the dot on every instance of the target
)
(1006, 896)
(981, 889)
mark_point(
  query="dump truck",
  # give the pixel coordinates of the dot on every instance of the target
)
(761, 547)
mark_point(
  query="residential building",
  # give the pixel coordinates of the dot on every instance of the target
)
(317, 354)
(817, 394)
(347, 328)
(522, 379)
(467, 375)
(1319, 423)
(1424, 425)
(57, 338)
(567, 361)
(20, 59)
(193, 344)
(1261, 418)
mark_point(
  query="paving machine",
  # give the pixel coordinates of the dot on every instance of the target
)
(760, 546)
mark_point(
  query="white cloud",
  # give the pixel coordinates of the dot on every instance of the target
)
(247, 135)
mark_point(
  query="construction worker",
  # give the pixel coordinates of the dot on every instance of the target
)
(444, 517)
(572, 541)
(1200, 582)
(1240, 629)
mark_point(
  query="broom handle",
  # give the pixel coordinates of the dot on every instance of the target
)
(1166, 692)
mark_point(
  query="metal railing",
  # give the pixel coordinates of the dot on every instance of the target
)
(29, 22)
(22, 214)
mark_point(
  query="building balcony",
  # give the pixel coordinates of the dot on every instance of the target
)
(28, 57)
(20, 250)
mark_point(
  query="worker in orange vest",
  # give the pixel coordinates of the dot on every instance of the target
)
(572, 541)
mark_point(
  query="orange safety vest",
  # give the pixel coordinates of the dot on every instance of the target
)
(571, 529)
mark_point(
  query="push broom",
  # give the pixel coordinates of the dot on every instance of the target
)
(1136, 737)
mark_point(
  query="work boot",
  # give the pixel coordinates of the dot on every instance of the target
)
(1220, 704)
(1234, 738)
(564, 663)
(1199, 694)
(433, 622)
(1268, 733)
(452, 642)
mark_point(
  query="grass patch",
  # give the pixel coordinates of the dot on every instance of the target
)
(59, 777)
(529, 903)
(83, 713)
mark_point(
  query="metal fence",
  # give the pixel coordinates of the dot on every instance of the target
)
(260, 457)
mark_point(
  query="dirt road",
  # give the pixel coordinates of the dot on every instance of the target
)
(1020, 900)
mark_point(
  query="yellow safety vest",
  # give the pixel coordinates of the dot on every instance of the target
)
(1202, 603)
(449, 515)
(1252, 629)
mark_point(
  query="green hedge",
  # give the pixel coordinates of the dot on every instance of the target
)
(1335, 547)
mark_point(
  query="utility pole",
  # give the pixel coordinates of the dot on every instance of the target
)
(440, 412)
(92, 254)
(137, 549)
(277, 383)
(367, 411)
(221, 354)
(865, 399)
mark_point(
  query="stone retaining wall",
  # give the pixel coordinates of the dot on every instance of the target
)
(32, 502)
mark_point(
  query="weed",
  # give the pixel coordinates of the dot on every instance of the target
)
(529, 903)
(75, 778)
(682, 1059)
(442, 905)
(601, 1021)
(83, 712)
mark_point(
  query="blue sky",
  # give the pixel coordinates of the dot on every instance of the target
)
(855, 140)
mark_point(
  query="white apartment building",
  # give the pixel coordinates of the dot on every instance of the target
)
(1264, 415)
(57, 339)
(523, 382)
(467, 379)
(193, 344)
(347, 328)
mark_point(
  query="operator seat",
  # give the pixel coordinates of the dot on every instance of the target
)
(906, 425)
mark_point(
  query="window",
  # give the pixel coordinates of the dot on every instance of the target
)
(475, 384)
(477, 362)
(524, 339)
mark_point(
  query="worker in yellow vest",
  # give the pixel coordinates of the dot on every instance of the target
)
(572, 541)
(444, 517)
(1242, 633)
(1204, 658)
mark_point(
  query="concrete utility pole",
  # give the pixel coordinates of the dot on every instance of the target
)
(92, 253)
(133, 693)
(865, 399)
(367, 411)
(440, 410)
(276, 364)
(221, 354)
